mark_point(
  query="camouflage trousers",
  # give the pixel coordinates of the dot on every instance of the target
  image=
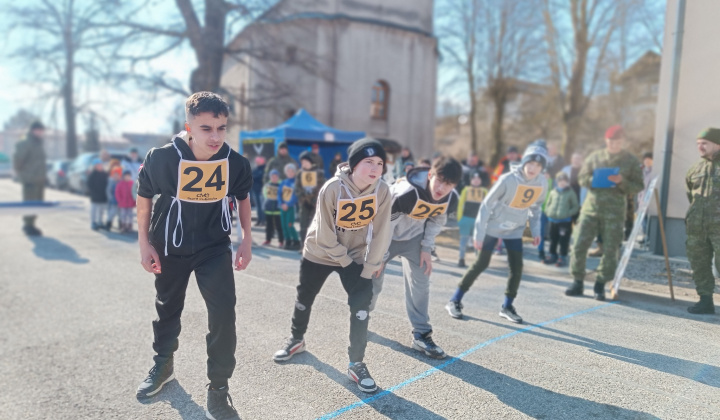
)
(701, 245)
(589, 227)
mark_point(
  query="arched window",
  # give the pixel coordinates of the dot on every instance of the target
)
(380, 100)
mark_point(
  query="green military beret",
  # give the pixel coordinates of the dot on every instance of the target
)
(710, 134)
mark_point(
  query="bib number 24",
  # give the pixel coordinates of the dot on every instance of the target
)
(215, 180)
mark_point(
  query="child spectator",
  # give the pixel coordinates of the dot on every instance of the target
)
(97, 182)
(308, 182)
(115, 177)
(287, 201)
(125, 201)
(561, 206)
(272, 209)
(470, 199)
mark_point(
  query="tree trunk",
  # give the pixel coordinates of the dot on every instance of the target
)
(67, 94)
(208, 43)
(571, 128)
(474, 140)
(499, 101)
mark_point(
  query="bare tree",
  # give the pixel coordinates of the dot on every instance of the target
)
(576, 61)
(510, 49)
(457, 29)
(58, 46)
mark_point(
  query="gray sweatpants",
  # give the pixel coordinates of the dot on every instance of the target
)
(417, 283)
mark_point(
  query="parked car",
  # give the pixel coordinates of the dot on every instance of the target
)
(57, 174)
(80, 167)
(6, 169)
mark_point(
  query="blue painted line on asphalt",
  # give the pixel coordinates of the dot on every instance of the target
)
(461, 356)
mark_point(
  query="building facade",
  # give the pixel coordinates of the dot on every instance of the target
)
(366, 65)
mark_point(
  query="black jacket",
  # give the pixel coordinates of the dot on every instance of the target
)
(201, 222)
(97, 182)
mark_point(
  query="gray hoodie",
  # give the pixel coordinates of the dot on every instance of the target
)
(504, 211)
(405, 195)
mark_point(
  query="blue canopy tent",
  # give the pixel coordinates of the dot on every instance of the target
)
(299, 132)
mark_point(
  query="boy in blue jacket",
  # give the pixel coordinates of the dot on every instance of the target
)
(287, 201)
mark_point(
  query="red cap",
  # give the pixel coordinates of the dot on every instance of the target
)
(615, 132)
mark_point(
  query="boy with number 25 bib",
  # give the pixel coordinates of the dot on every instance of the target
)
(503, 214)
(348, 235)
(196, 176)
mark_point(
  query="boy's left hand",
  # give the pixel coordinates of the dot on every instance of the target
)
(243, 255)
(536, 241)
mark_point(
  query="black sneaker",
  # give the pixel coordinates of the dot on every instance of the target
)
(220, 405)
(32, 231)
(454, 309)
(509, 313)
(289, 349)
(158, 376)
(359, 373)
(425, 344)
(461, 263)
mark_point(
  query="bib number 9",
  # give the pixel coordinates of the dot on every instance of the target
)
(525, 197)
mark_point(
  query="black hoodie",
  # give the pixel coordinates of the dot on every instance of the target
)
(201, 222)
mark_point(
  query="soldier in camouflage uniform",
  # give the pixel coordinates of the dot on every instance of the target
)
(29, 165)
(702, 222)
(603, 211)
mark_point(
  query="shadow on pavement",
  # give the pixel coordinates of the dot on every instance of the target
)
(699, 372)
(662, 305)
(117, 236)
(529, 399)
(52, 249)
(385, 403)
(174, 394)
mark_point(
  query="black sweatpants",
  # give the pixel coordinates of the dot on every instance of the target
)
(272, 223)
(560, 234)
(214, 274)
(515, 261)
(359, 290)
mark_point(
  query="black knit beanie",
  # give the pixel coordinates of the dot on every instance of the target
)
(365, 148)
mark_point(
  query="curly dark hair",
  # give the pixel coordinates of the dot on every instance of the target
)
(200, 102)
(447, 169)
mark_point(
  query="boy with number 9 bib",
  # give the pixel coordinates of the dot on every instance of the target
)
(196, 176)
(419, 211)
(348, 235)
(503, 215)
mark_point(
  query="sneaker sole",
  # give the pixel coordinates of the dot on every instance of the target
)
(289, 356)
(360, 387)
(150, 394)
(454, 316)
(428, 354)
(517, 321)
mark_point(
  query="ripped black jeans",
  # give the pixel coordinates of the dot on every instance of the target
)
(359, 290)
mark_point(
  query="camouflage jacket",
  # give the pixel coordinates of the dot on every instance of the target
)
(610, 201)
(29, 160)
(702, 184)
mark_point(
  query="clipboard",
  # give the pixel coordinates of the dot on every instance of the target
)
(600, 177)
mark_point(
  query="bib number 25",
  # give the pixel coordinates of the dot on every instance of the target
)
(349, 209)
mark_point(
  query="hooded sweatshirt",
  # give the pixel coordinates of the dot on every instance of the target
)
(411, 217)
(329, 244)
(504, 212)
(200, 225)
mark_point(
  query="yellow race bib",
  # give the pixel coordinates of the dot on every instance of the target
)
(475, 195)
(423, 210)
(525, 197)
(356, 213)
(287, 193)
(202, 182)
(308, 179)
(271, 192)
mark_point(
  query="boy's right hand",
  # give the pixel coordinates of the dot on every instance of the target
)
(478, 245)
(149, 259)
(284, 206)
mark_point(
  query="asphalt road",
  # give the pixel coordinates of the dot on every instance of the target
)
(75, 341)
